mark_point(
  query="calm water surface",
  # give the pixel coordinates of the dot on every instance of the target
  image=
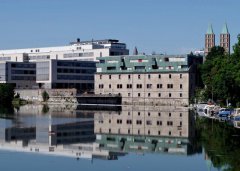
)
(123, 138)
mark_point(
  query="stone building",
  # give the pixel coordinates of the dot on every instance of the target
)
(148, 79)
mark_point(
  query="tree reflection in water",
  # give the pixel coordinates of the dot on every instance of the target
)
(221, 143)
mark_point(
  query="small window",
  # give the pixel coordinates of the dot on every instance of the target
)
(129, 77)
(110, 86)
(149, 94)
(180, 75)
(119, 76)
(139, 95)
(139, 76)
(159, 94)
(180, 115)
(170, 114)
(100, 77)
(129, 94)
(181, 86)
(159, 114)
(149, 76)
(180, 94)
(159, 76)
(110, 77)
(170, 95)
(170, 76)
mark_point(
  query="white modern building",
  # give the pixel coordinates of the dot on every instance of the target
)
(79, 50)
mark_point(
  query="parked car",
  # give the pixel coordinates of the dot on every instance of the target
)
(225, 112)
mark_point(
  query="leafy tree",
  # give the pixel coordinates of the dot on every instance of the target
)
(6, 94)
(45, 96)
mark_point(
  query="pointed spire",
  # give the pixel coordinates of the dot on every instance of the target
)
(135, 51)
(210, 29)
(225, 29)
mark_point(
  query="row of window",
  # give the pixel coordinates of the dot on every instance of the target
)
(148, 122)
(139, 76)
(139, 86)
(65, 70)
(139, 132)
(159, 95)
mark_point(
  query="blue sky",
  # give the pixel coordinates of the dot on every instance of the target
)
(163, 26)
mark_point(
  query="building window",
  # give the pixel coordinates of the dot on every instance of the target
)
(149, 122)
(100, 86)
(181, 86)
(169, 133)
(110, 86)
(139, 85)
(139, 113)
(149, 76)
(180, 133)
(109, 130)
(119, 121)
(180, 123)
(169, 114)
(139, 95)
(159, 114)
(148, 132)
(129, 131)
(149, 94)
(119, 86)
(170, 86)
(139, 76)
(159, 94)
(129, 77)
(138, 131)
(109, 121)
(119, 76)
(159, 122)
(180, 94)
(149, 86)
(149, 113)
(129, 85)
(159, 85)
(100, 76)
(170, 95)
(139, 122)
(129, 94)
(159, 132)
(180, 75)
(170, 76)
(159, 76)
(180, 115)
(169, 123)
(110, 77)
(129, 121)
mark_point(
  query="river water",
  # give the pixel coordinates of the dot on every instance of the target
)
(59, 137)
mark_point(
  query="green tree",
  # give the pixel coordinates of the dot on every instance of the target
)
(6, 94)
(45, 96)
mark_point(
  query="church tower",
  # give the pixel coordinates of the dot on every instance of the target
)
(209, 40)
(225, 39)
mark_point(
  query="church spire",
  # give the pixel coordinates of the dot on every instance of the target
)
(225, 29)
(210, 29)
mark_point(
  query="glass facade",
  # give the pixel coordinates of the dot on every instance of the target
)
(3, 70)
(43, 71)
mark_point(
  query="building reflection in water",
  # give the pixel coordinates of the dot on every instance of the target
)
(105, 134)
(146, 130)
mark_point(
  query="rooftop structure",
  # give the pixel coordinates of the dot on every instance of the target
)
(86, 50)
